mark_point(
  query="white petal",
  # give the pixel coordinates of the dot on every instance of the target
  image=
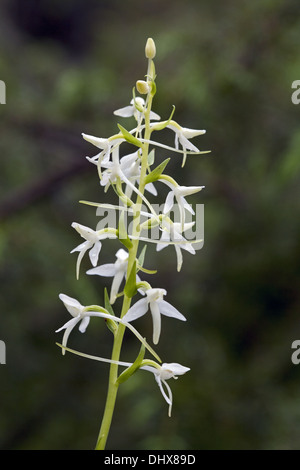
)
(79, 258)
(86, 232)
(68, 324)
(122, 254)
(169, 202)
(151, 188)
(83, 246)
(97, 141)
(190, 133)
(172, 369)
(154, 116)
(187, 206)
(137, 310)
(164, 237)
(128, 160)
(170, 311)
(71, 324)
(94, 253)
(106, 270)
(186, 144)
(72, 305)
(127, 111)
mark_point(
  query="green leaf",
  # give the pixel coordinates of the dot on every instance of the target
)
(130, 287)
(129, 137)
(155, 174)
(132, 369)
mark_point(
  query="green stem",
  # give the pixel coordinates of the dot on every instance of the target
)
(112, 386)
(113, 374)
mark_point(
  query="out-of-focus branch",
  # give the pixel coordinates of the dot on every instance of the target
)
(37, 191)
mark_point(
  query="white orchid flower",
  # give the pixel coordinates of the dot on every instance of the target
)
(79, 314)
(116, 270)
(164, 373)
(106, 146)
(158, 306)
(172, 232)
(82, 314)
(179, 193)
(131, 166)
(132, 110)
(182, 136)
(92, 243)
(117, 169)
(101, 143)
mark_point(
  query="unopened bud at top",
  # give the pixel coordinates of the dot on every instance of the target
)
(142, 87)
(150, 49)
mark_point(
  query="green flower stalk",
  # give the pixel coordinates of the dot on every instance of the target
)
(134, 178)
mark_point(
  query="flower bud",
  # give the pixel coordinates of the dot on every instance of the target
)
(142, 87)
(150, 49)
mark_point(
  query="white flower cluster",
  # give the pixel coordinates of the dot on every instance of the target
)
(130, 176)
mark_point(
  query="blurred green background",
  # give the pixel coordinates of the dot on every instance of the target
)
(228, 67)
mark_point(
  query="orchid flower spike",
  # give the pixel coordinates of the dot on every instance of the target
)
(182, 136)
(158, 307)
(79, 314)
(172, 232)
(116, 270)
(162, 374)
(92, 243)
(133, 110)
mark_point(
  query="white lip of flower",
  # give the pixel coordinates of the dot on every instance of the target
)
(131, 110)
(116, 270)
(158, 307)
(182, 136)
(172, 231)
(166, 372)
(92, 243)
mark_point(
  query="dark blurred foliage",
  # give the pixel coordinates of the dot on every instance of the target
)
(228, 67)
